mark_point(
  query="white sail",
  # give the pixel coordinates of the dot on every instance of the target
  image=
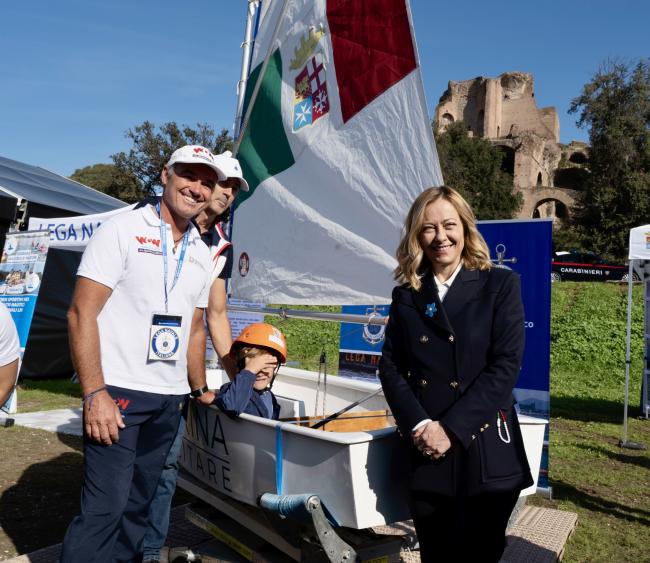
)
(337, 145)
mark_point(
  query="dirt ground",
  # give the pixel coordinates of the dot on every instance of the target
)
(40, 478)
(40, 482)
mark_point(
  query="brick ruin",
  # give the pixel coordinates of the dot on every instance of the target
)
(502, 110)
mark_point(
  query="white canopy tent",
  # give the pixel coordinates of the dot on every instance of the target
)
(639, 257)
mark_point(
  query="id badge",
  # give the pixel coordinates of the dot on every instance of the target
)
(165, 337)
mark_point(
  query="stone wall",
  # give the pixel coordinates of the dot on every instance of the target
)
(503, 110)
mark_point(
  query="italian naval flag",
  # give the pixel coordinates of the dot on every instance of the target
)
(337, 146)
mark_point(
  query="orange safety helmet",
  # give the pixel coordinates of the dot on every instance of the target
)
(264, 335)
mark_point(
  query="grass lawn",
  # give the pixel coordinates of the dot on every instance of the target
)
(47, 394)
(307, 340)
(607, 486)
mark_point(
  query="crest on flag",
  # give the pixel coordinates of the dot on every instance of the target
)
(310, 98)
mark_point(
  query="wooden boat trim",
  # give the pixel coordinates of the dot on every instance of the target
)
(349, 421)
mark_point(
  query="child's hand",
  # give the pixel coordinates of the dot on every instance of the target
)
(263, 362)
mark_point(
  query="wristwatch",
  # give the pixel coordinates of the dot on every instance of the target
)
(198, 392)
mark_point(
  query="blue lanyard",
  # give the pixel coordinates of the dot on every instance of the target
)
(181, 257)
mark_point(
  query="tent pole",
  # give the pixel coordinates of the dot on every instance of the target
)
(627, 352)
(624, 443)
(646, 331)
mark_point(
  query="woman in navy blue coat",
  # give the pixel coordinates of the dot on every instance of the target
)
(451, 358)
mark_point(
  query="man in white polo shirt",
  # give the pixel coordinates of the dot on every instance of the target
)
(138, 345)
(209, 225)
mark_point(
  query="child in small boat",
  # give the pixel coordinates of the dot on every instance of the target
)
(258, 352)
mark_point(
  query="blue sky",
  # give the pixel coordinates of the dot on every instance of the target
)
(76, 74)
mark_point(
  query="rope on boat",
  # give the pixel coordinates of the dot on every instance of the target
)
(322, 365)
(323, 361)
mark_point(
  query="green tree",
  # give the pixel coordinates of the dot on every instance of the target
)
(473, 167)
(615, 108)
(152, 149)
(107, 178)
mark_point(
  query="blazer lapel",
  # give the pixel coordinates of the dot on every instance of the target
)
(428, 303)
(463, 289)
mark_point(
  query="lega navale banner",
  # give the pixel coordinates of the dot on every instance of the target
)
(524, 246)
(73, 233)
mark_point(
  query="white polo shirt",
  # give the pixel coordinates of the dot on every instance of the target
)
(9, 343)
(125, 254)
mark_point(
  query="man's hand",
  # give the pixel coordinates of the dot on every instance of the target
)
(432, 440)
(207, 398)
(102, 418)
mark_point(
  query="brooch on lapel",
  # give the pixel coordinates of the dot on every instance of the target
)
(431, 310)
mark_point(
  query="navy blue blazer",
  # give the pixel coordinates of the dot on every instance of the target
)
(238, 396)
(457, 362)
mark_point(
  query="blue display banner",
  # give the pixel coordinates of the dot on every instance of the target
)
(21, 272)
(524, 246)
(360, 345)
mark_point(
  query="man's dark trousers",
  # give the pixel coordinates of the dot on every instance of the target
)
(120, 480)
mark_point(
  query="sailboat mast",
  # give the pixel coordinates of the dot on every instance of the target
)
(245, 64)
(251, 103)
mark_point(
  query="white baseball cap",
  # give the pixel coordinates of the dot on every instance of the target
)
(231, 168)
(196, 154)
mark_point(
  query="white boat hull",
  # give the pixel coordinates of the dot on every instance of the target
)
(355, 474)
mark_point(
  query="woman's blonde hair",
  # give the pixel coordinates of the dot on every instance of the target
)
(412, 263)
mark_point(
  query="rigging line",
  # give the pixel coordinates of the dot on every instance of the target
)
(324, 360)
(353, 331)
(346, 409)
(317, 392)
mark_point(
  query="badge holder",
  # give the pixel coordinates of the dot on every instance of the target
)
(165, 337)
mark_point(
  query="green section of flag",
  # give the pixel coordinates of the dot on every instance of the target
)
(264, 150)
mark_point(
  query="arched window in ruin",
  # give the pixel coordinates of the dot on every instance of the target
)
(570, 178)
(551, 208)
(508, 161)
(578, 158)
(539, 179)
(446, 120)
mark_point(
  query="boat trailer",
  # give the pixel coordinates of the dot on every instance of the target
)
(283, 528)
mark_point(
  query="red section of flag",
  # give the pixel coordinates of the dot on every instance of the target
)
(373, 49)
